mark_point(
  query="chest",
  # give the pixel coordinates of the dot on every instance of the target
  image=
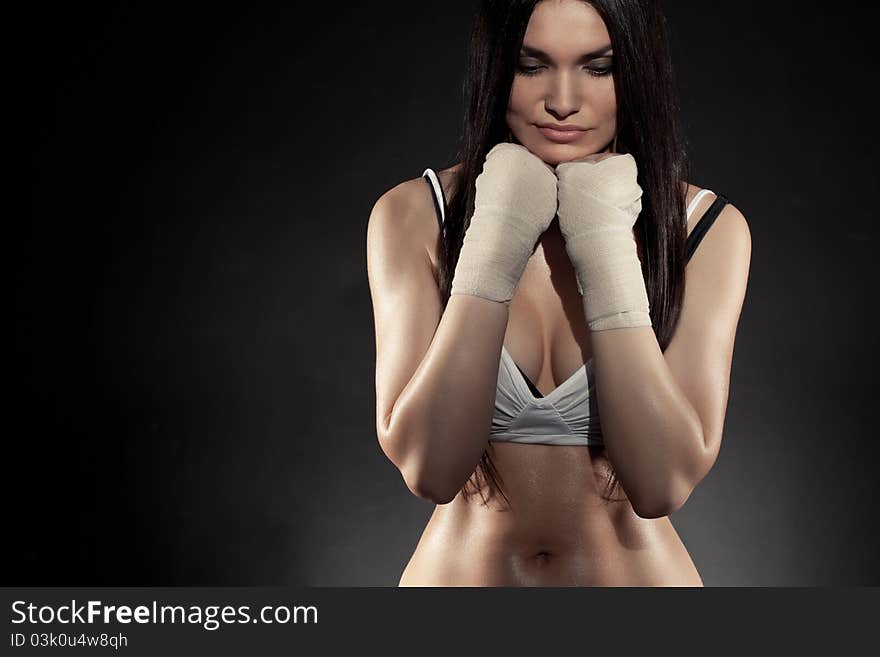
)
(547, 335)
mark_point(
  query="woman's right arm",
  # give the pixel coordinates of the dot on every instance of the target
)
(436, 371)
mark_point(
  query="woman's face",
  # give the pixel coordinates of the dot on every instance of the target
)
(563, 76)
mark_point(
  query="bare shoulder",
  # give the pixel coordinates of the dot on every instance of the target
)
(730, 215)
(404, 204)
(729, 239)
(724, 255)
(406, 213)
(730, 219)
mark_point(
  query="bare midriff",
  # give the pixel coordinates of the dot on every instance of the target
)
(559, 529)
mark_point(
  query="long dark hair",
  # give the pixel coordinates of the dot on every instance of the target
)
(647, 120)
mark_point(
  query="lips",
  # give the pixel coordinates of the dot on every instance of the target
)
(563, 127)
(564, 134)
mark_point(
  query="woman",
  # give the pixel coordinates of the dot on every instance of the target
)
(556, 288)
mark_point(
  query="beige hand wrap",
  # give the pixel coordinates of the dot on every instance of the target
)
(514, 204)
(598, 205)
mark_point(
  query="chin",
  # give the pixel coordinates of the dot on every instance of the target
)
(554, 154)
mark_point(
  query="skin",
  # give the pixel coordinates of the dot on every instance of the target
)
(564, 89)
(560, 531)
(564, 534)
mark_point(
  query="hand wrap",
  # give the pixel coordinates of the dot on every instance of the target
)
(598, 206)
(514, 204)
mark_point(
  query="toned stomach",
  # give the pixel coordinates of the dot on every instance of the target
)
(558, 530)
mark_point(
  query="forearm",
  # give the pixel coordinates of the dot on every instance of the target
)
(651, 431)
(440, 424)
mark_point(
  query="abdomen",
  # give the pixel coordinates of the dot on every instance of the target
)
(557, 531)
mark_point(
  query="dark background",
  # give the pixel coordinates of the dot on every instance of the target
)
(193, 371)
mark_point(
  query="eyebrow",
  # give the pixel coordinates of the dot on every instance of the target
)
(540, 54)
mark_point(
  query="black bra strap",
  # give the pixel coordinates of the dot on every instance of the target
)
(704, 224)
(436, 200)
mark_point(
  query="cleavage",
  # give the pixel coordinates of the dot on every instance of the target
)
(534, 347)
(546, 324)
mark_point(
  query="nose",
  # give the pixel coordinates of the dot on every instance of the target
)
(563, 96)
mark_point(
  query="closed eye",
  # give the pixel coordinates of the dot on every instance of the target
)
(594, 71)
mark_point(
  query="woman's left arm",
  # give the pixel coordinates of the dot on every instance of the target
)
(662, 413)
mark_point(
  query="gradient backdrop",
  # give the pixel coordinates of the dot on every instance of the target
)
(192, 390)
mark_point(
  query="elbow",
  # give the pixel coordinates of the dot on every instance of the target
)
(435, 495)
(422, 479)
(659, 504)
(427, 485)
(651, 509)
(672, 491)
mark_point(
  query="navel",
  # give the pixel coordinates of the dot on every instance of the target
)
(542, 557)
